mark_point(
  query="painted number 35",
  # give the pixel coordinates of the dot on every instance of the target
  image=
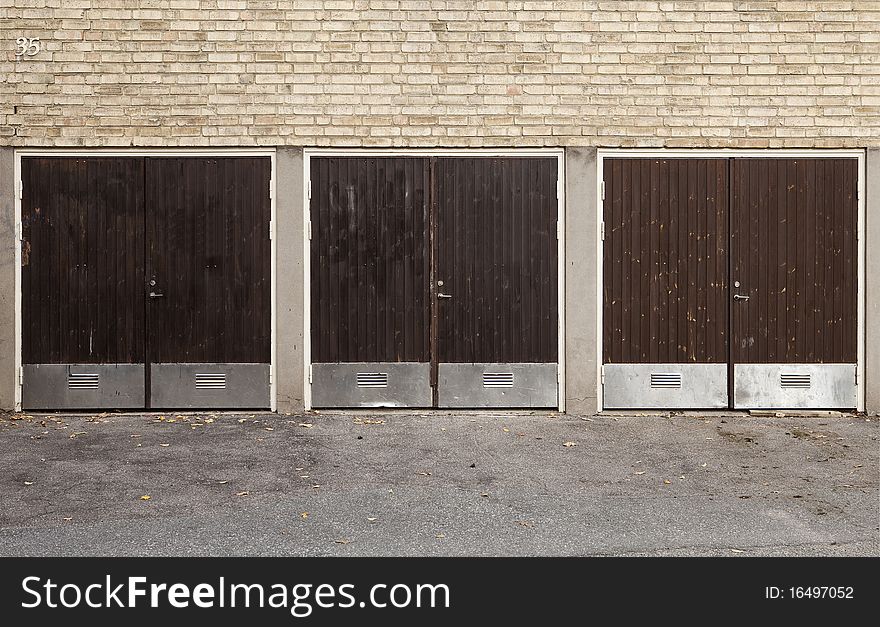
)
(27, 46)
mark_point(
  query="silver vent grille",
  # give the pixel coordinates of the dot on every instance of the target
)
(372, 379)
(497, 379)
(82, 381)
(211, 381)
(794, 380)
(665, 379)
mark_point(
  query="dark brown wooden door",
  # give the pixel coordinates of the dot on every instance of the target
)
(422, 263)
(370, 257)
(784, 295)
(82, 260)
(209, 260)
(496, 254)
(794, 255)
(146, 282)
(665, 261)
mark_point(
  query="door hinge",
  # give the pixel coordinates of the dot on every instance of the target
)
(271, 189)
(21, 375)
(271, 375)
(20, 189)
(602, 189)
(310, 189)
(309, 229)
(19, 232)
(271, 229)
(602, 374)
(310, 374)
(558, 229)
(602, 231)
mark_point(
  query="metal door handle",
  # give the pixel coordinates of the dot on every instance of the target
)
(740, 297)
(444, 295)
(155, 295)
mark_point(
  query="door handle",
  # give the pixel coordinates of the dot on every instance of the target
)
(155, 295)
(740, 297)
(444, 295)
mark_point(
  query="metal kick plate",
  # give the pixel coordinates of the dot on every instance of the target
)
(497, 385)
(83, 386)
(209, 386)
(381, 384)
(795, 386)
(664, 386)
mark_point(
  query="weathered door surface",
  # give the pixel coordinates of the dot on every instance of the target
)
(496, 282)
(209, 309)
(665, 302)
(433, 282)
(82, 271)
(370, 272)
(794, 282)
(145, 282)
(785, 294)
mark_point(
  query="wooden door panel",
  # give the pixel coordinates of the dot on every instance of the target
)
(665, 296)
(794, 250)
(496, 253)
(210, 258)
(370, 258)
(82, 260)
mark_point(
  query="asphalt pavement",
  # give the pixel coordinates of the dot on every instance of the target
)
(413, 484)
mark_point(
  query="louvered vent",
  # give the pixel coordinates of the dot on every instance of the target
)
(82, 381)
(372, 379)
(210, 381)
(497, 379)
(665, 379)
(794, 380)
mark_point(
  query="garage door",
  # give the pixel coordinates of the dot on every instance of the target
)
(730, 283)
(434, 282)
(145, 282)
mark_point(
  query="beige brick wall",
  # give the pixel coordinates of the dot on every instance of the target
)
(451, 72)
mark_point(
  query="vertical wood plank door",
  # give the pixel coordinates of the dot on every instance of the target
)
(794, 270)
(209, 281)
(369, 287)
(665, 290)
(496, 281)
(82, 272)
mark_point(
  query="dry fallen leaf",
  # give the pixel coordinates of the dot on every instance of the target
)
(29, 483)
(165, 445)
(737, 551)
(242, 493)
(304, 515)
(371, 519)
(224, 482)
(667, 481)
(146, 497)
(426, 473)
(640, 472)
(269, 429)
(241, 420)
(305, 425)
(209, 420)
(342, 541)
(67, 519)
(506, 430)
(441, 535)
(569, 444)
